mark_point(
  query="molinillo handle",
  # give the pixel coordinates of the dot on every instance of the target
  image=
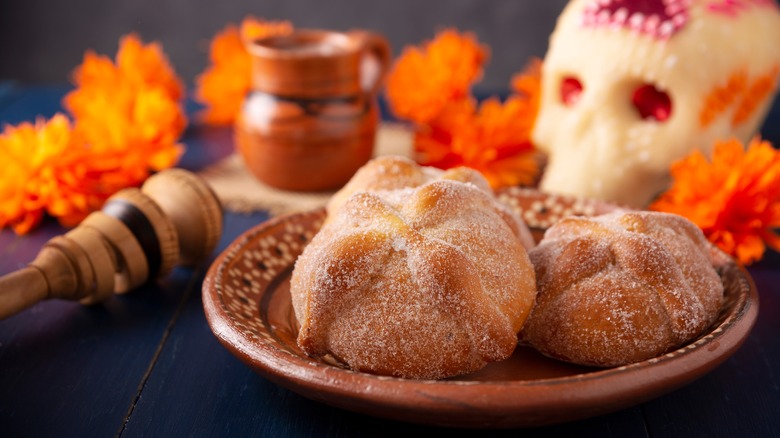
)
(140, 234)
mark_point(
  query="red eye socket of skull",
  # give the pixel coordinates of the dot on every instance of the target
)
(571, 89)
(652, 103)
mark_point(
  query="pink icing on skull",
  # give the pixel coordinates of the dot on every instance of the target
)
(734, 7)
(657, 18)
(620, 101)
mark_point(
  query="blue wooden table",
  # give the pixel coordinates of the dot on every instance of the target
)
(147, 364)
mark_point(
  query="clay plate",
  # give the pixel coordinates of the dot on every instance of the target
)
(246, 298)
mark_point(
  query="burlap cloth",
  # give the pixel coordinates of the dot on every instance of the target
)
(241, 192)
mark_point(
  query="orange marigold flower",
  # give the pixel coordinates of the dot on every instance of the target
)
(225, 83)
(424, 80)
(45, 171)
(734, 199)
(127, 122)
(493, 139)
(129, 112)
(137, 67)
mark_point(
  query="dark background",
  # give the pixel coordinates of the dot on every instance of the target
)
(41, 41)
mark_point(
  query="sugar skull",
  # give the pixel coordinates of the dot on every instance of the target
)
(629, 86)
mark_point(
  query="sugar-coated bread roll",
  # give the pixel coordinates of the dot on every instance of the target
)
(419, 282)
(621, 288)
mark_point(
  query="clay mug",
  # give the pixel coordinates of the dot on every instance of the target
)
(310, 120)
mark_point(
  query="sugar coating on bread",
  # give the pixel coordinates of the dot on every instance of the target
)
(621, 288)
(425, 282)
(392, 172)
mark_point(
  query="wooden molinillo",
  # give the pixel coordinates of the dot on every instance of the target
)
(140, 234)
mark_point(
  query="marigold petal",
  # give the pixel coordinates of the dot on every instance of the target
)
(492, 138)
(22, 225)
(147, 66)
(423, 80)
(734, 197)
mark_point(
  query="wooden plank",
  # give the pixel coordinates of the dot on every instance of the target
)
(66, 369)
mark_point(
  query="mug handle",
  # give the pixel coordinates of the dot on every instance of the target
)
(372, 43)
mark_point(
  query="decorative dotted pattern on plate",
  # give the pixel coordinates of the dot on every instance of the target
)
(256, 261)
(540, 210)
